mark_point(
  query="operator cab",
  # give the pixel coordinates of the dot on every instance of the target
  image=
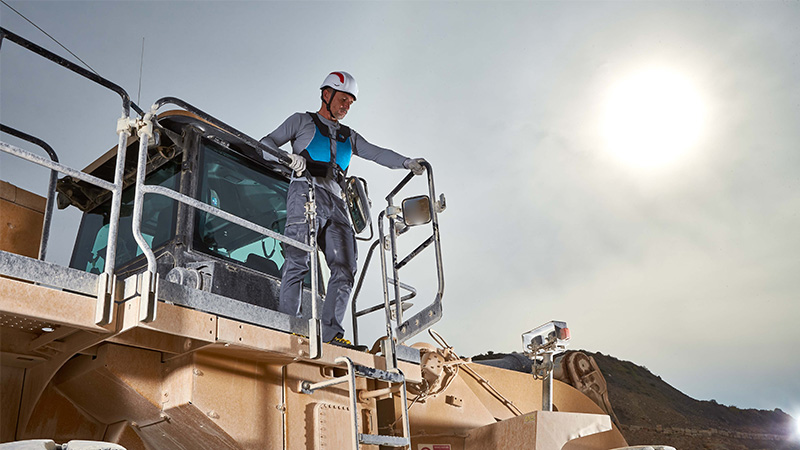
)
(192, 248)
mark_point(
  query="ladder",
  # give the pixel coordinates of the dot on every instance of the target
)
(397, 382)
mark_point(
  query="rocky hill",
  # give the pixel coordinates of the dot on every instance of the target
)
(651, 411)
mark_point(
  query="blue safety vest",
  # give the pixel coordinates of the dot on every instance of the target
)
(319, 149)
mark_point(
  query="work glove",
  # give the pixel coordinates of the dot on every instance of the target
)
(414, 166)
(298, 164)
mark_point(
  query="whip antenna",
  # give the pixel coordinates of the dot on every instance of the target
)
(141, 64)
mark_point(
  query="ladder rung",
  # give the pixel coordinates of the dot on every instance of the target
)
(377, 374)
(380, 439)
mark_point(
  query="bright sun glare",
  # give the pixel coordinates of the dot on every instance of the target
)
(797, 425)
(652, 118)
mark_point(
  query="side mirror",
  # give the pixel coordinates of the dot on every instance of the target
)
(417, 210)
(358, 203)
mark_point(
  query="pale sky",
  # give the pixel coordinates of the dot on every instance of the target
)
(688, 267)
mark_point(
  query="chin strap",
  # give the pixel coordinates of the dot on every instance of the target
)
(328, 103)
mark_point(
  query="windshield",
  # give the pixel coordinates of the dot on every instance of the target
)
(230, 183)
(158, 224)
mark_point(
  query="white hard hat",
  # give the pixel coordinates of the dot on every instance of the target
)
(341, 81)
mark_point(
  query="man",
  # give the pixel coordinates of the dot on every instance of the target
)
(323, 146)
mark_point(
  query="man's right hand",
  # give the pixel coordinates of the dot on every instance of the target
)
(298, 164)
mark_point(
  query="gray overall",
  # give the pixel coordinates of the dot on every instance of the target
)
(338, 244)
(335, 236)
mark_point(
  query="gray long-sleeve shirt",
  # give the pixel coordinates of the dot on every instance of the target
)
(299, 128)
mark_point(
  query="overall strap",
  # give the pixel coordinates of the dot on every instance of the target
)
(342, 134)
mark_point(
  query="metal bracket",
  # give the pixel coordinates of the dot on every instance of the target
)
(125, 124)
(393, 211)
(149, 296)
(311, 209)
(105, 298)
(314, 338)
(389, 350)
(144, 127)
(420, 321)
(441, 204)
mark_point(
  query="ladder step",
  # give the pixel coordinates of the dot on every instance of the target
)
(379, 439)
(377, 374)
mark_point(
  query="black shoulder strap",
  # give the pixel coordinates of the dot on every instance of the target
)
(320, 126)
(343, 133)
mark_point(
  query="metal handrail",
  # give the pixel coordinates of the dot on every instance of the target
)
(22, 42)
(354, 312)
(149, 302)
(412, 293)
(432, 313)
(397, 383)
(51, 188)
(106, 281)
(52, 165)
(281, 156)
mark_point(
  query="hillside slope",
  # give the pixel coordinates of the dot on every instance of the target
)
(652, 411)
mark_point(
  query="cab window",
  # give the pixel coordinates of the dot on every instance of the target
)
(158, 224)
(229, 183)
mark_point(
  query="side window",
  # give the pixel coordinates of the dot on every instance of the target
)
(234, 186)
(158, 224)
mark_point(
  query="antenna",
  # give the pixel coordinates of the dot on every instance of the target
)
(141, 64)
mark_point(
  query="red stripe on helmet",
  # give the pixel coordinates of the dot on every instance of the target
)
(341, 77)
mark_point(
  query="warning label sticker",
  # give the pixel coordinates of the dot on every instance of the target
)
(433, 447)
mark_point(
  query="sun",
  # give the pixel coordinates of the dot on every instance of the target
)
(797, 430)
(652, 118)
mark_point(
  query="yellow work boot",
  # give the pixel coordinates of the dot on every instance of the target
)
(342, 342)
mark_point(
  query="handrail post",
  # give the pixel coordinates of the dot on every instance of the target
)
(352, 399)
(107, 281)
(123, 132)
(148, 302)
(389, 348)
(51, 188)
(314, 324)
(398, 314)
(435, 224)
(353, 301)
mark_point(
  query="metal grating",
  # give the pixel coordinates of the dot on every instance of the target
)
(25, 324)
